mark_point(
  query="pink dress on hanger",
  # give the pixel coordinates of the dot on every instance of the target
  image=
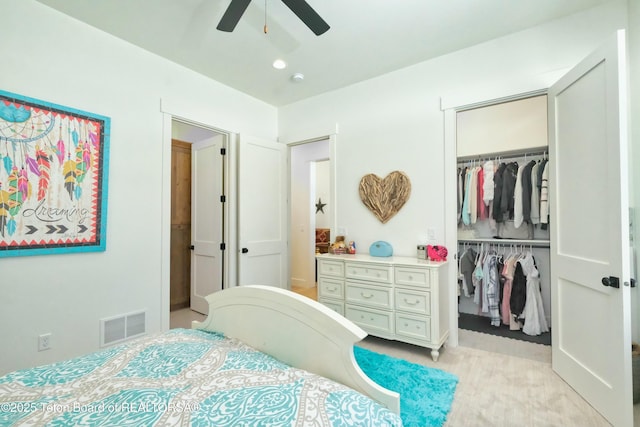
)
(507, 272)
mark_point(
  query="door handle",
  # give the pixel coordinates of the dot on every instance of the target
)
(611, 281)
(192, 247)
(244, 250)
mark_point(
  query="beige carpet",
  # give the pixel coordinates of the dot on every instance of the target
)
(497, 389)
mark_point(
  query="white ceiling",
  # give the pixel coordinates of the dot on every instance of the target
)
(367, 37)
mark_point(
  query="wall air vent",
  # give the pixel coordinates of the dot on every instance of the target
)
(122, 327)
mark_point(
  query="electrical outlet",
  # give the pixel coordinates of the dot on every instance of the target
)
(44, 342)
(431, 234)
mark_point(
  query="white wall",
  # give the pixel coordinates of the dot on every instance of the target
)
(323, 192)
(395, 122)
(509, 126)
(49, 56)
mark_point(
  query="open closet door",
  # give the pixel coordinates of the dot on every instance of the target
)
(262, 218)
(206, 221)
(590, 232)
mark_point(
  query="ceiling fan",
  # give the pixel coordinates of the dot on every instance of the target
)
(300, 7)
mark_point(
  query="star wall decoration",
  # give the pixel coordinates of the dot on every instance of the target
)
(320, 206)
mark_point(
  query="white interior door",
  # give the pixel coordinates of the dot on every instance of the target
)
(589, 231)
(206, 221)
(262, 213)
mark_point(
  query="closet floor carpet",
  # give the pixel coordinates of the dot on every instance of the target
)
(482, 324)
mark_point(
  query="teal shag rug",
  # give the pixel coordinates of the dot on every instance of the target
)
(425, 393)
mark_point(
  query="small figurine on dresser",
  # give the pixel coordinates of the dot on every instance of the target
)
(352, 247)
(437, 253)
(339, 246)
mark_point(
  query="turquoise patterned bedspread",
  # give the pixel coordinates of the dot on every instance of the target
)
(181, 378)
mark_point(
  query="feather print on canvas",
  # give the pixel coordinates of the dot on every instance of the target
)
(53, 177)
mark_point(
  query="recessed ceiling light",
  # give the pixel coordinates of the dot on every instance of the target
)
(279, 64)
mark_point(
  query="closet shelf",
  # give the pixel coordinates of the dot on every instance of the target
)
(537, 243)
(512, 154)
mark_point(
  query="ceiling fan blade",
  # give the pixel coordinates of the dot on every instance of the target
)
(232, 15)
(307, 15)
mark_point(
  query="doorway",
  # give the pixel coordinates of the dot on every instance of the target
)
(180, 279)
(197, 215)
(311, 207)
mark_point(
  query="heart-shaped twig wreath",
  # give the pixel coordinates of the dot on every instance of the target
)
(385, 197)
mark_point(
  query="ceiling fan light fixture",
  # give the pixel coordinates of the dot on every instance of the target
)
(279, 64)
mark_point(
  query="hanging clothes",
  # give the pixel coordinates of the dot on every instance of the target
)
(467, 266)
(535, 196)
(473, 196)
(482, 209)
(487, 186)
(527, 189)
(497, 192)
(466, 217)
(535, 321)
(460, 194)
(505, 209)
(518, 297)
(544, 198)
(517, 199)
(491, 286)
(507, 272)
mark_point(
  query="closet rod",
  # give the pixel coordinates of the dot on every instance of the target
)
(507, 242)
(535, 151)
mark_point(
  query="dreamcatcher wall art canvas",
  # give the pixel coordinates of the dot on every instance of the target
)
(53, 178)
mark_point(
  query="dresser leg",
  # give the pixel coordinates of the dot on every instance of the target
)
(435, 354)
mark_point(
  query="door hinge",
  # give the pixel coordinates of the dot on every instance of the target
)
(223, 246)
(223, 198)
(223, 151)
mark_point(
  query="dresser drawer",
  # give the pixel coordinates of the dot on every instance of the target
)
(330, 268)
(368, 272)
(408, 276)
(417, 327)
(336, 306)
(413, 301)
(370, 320)
(371, 296)
(330, 288)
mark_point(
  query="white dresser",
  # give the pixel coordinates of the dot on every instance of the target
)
(397, 298)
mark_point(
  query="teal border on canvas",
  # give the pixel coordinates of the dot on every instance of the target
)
(101, 246)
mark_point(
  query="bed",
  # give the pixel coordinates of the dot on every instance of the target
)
(263, 357)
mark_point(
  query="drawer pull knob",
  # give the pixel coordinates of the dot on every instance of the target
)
(366, 295)
(410, 277)
(411, 302)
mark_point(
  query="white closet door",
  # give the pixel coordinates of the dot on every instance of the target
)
(206, 222)
(589, 232)
(262, 228)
